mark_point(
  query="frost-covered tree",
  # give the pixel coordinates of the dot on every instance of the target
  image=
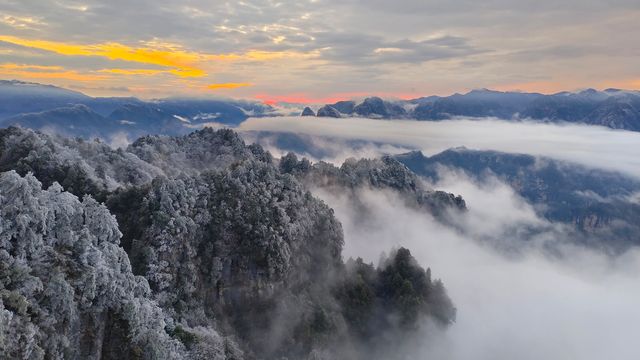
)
(66, 286)
(385, 304)
(79, 166)
(238, 245)
(385, 173)
(199, 151)
(224, 253)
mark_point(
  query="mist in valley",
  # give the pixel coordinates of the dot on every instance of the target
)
(525, 304)
(592, 146)
(522, 286)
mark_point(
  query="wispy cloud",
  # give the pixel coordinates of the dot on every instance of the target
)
(21, 22)
(147, 72)
(181, 62)
(227, 86)
(579, 304)
(320, 48)
(43, 72)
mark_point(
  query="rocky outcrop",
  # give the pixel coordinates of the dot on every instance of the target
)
(328, 111)
(375, 107)
(307, 112)
(345, 107)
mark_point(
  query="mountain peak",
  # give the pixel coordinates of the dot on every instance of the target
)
(483, 91)
(328, 111)
(307, 112)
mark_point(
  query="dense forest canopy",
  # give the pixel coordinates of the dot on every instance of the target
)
(197, 247)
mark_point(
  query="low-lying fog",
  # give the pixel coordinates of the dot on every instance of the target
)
(588, 145)
(525, 306)
(579, 305)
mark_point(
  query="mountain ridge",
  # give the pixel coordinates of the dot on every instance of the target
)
(213, 252)
(613, 108)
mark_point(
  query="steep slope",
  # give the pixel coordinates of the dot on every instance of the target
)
(307, 112)
(328, 111)
(619, 112)
(225, 244)
(345, 107)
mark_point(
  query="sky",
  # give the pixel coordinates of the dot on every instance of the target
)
(319, 51)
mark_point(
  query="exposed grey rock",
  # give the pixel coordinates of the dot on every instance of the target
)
(344, 107)
(307, 112)
(375, 107)
(328, 111)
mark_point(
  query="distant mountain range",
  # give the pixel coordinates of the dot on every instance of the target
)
(613, 108)
(72, 113)
(604, 205)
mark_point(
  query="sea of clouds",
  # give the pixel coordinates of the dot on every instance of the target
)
(574, 303)
(594, 146)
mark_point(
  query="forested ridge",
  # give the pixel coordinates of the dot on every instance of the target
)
(197, 247)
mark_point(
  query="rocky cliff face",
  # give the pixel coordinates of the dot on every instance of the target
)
(329, 111)
(206, 249)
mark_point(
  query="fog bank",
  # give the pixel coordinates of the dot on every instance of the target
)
(594, 146)
(524, 306)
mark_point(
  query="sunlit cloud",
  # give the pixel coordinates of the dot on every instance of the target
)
(227, 86)
(159, 57)
(39, 72)
(21, 22)
(11, 66)
(147, 72)
(323, 48)
(260, 55)
(182, 63)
